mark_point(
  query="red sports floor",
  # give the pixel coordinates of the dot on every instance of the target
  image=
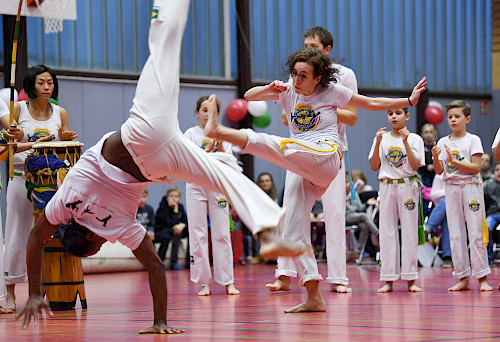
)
(120, 304)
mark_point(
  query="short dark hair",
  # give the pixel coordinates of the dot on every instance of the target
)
(30, 79)
(203, 99)
(322, 65)
(459, 104)
(79, 240)
(322, 33)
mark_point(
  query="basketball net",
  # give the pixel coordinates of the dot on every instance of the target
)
(53, 13)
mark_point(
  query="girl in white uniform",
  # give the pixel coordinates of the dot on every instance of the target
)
(201, 202)
(313, 152)
(459, 157)
(398, 154)
(39, 119)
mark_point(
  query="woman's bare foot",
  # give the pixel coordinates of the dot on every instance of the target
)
(232, 290)
(10, 302)
(6, 311)
(205, 291)
(483, 284)
(281, 284)
(314, 302)
(339, 288)
(412, 287)
(273, 246)
(462, 285)
(386, 288)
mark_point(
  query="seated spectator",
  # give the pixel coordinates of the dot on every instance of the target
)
(171, 225)
(355, 214)
(360, 182)
(426, 172)
(317, 228)
(146, 215)
(437, 219)
(486, 163)
(492, 207)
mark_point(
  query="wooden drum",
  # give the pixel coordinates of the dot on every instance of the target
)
(45, 169)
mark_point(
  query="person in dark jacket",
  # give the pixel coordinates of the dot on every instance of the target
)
(171, 225)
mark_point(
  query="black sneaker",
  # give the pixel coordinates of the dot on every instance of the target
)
(447, 263)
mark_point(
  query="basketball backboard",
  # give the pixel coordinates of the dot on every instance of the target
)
(11, 6)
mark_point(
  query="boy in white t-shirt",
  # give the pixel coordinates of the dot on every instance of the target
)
(459, 156)
(398, 154)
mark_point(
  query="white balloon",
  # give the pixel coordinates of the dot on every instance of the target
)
(435, 104)
(257, 108)
(5, 95)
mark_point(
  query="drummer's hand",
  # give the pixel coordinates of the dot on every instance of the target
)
(67, 135)
(47, 138)
(32, 308)
(15, 132)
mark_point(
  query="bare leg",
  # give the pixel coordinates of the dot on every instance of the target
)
(205, 291)
(339, 288)
(281, 284)
(386, 288)
(412, 287)
(483, 284)
(219, 132)
(232, 290)
(463, 284)
(10, 303)
(273, 246)
(314, 302)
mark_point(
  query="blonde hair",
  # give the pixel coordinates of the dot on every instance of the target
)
(173, 189)
(358, 174)
(432, 128)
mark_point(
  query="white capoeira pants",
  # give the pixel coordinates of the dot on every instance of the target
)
(464, 205)
(334, 203)
(18, 226)
(310, 173)
(399, 201)
(200, 203)
(3, 294)
(153, 138)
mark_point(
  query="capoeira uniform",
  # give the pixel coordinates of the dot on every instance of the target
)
(160, 150)
(464, 205)
(200, 203)
(19, 221)
(4, 110)
(312, 156)
(496, 140)
(333, 206)
(399, 197)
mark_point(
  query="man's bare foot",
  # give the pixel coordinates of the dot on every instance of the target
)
(273, 246)
(483, 284)
(6, 311)
(281, 284)
(205, 291)
(10, 302)
(386, 288)
(462, 285)
(412, 287)
(212, 122)
(314, 302)
(232, 290)
(339, 288)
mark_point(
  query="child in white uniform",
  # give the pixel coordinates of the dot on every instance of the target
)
(201, 202)
(459, 157)
(312, 154)
(398, 154)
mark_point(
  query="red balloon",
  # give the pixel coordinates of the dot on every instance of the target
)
(22, 96)
(237, 109)
(434, 115)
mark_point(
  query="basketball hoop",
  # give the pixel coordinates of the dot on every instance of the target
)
(53, 13)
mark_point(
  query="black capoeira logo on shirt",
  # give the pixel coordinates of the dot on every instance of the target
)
(74, 205)
(104, 220)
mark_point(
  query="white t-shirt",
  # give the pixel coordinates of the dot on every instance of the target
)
(101, 197)
(496, 141)
(35, 129)
(314, 117)
(462, 149)
(4, 109)
(394, 162)
(197, 135)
